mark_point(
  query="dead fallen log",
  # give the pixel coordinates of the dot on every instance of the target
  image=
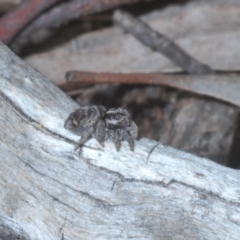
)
(50, 192)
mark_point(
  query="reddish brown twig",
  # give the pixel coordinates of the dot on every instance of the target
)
(69, 11)
(160, 43)
(223, 87)
(13, 22)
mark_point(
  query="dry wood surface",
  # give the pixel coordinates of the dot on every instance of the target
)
(49, 191)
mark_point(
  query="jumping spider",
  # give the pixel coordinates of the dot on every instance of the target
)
(115, 124)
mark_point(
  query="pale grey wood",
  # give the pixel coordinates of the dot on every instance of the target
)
(50, 192)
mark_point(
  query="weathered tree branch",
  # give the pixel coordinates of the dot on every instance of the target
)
(68, 11)
(158, 42)
(13, 22)
(48, 191)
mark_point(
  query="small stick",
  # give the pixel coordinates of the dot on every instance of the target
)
(224, 87)
(68, 11)
(158, 42)
(14, 21)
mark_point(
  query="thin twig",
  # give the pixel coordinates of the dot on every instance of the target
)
(14, 21)
(69, 11)
(158, 42)
(224, 87)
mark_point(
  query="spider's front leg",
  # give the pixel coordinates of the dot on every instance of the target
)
(114, 135)
(89, 131)
(124, 135)
(100, 132)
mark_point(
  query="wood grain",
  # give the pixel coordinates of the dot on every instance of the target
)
(48, 191)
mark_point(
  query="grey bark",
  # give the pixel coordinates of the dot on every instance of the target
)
(50, 192)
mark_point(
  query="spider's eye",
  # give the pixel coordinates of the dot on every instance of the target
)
(114, 117)
(117, 117)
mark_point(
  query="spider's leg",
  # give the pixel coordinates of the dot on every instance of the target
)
(100, 132)
(114, 135)
(126, 136)
(133, 130)
(84, 137)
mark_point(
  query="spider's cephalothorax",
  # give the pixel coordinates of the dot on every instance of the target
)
(87, 120)
(121, 127)
(114, 124)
